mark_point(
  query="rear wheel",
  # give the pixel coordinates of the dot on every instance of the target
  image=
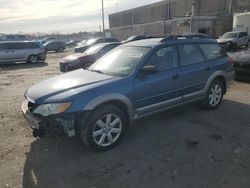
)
(105, 128)
(214, 95)
(33, 59)
(247, 45)
(60, 50)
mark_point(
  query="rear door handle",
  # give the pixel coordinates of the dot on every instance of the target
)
(176, 76)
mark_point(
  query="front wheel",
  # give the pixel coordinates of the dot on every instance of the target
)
(33, 59)
(214, 95)
(105, 128)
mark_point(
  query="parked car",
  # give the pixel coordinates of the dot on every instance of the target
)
(136, 37)
(48, 39)
(71, 43)
(242, 64)
(92, 42)
(31, 52)
(56, 46)
(84, 60)
(235, 39)
(81, 43)
(13, 37)
(133, 81)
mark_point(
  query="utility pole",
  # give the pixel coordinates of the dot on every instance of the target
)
(230, 7)
(103, 26)
(191, 17)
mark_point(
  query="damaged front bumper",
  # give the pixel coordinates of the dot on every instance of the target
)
(41, 125)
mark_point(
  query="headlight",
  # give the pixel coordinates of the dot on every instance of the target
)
(53, 108)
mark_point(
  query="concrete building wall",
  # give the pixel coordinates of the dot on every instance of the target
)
(153, 19)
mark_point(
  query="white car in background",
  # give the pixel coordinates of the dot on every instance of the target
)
(234, 39)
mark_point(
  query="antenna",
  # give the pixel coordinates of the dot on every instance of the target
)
(116, 5)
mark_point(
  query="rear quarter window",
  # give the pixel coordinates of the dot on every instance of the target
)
(212, 51)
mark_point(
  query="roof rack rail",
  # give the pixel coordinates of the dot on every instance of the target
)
(186, 36)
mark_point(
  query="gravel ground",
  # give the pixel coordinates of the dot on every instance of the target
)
(183, 148)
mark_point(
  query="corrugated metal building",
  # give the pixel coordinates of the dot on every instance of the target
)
(213, 17)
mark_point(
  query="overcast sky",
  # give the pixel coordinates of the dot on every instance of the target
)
(62, 16)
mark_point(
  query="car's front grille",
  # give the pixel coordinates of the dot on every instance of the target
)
(63, 67)
(32, 106)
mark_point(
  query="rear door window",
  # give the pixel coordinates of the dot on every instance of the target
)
(190, 54)
(212, 51)
(2, 47)
(14, 46)
(31, 45)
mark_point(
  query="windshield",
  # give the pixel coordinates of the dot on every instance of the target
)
(91, 41)
(120, 62)
(94, 49)
(229, 35)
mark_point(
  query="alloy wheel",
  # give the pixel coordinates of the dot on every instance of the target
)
(107, 130)
(215, 95)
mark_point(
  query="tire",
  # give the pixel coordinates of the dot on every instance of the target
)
(99, 134)
(247, 45)
(33, 59)
(60, 50)
(214, 95)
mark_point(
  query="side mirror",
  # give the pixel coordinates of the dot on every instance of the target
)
(149, 69)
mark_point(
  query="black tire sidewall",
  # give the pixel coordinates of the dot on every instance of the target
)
(206, 101)
(29, 61)
(87, 130)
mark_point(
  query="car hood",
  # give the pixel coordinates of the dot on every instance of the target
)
(76, 56)
(72, 57)
(65, 82)
(82, 46)
(224, 40)
(80, 56)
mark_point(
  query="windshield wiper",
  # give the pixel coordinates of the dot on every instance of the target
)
(95, 70)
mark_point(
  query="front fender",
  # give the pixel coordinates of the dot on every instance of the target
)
(111, 98)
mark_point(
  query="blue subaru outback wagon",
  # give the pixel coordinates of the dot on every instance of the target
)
(130, 82)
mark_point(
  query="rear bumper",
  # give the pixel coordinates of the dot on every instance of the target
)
(229, 77)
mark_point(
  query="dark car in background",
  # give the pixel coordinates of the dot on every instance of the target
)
(91, 42)
(48, 39)
(56, 46)
(71, 43)
(241, 61)
(16, 51)
(84, 60)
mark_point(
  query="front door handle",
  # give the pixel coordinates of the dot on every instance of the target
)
(176, 76)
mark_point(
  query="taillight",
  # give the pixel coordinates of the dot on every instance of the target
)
(230, 61)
